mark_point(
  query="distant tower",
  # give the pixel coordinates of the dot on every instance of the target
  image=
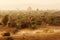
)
(29, 8)
(37, 9)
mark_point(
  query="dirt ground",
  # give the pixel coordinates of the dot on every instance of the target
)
(38, 34)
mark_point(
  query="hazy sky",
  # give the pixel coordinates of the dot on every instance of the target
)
(23, 4)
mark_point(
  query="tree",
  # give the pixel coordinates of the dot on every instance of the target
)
(51, 21)
(5, 20)
(39, 22)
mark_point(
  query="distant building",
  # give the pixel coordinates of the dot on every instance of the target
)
(29, 8)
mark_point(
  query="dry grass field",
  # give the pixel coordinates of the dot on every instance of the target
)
(55, 36)
(38, 34)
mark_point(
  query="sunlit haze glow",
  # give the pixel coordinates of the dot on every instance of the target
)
(23, 4)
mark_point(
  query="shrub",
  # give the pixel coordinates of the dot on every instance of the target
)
(9, 38)
(33, 27)
(6, 34)
(25, 25)
(15, 31)
(13, 24)
(0, 23)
